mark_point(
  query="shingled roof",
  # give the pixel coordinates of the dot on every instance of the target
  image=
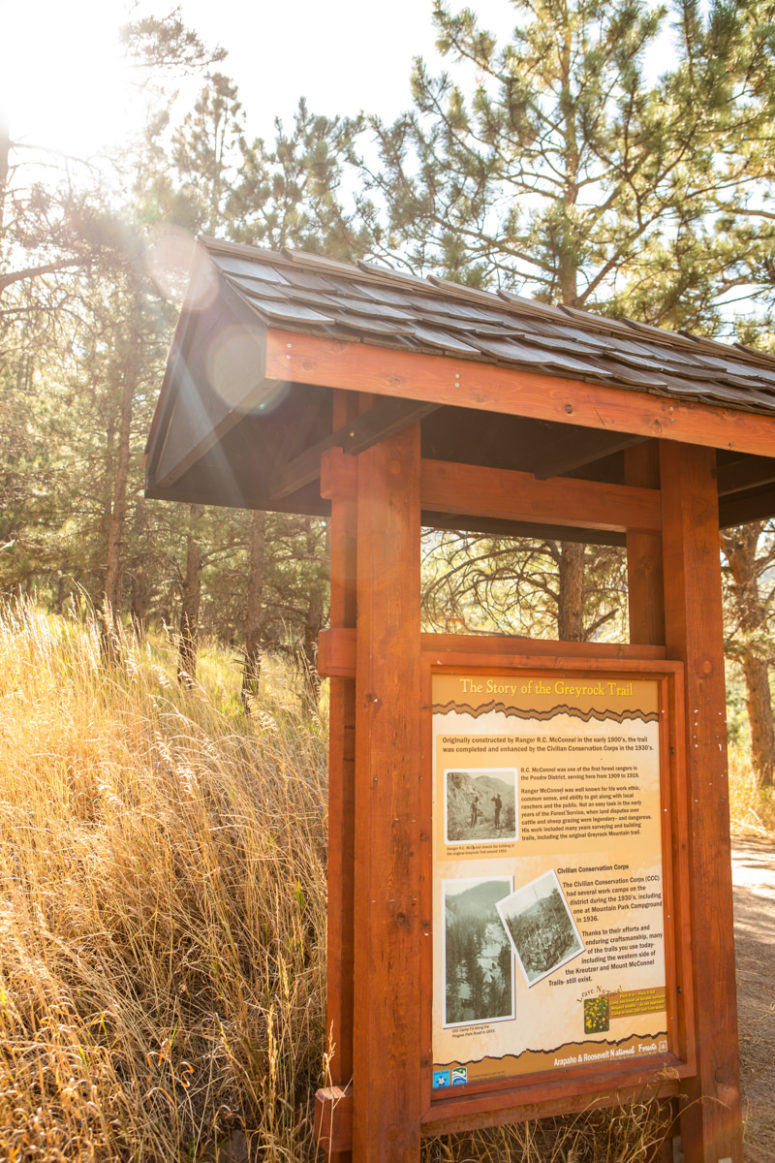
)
(314, 295)
(285, 293)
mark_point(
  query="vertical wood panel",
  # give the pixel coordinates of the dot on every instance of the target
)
(644, 555)
(388, 775)
(711, 1119)
(341, 770)
(645, 598)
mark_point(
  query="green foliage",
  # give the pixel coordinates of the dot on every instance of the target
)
(161, 43)
(84, 346)
(292, 194)
(553, 166)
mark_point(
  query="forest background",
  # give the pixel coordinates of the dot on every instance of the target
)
(617, 157)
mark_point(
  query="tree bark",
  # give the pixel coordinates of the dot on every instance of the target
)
(190, 598)
(740, 549)
(759, 706)
(140, 584)
(313, 622)
(140, 600)
(313, 619)
(252, 667)
(570, 597)
(117, 507)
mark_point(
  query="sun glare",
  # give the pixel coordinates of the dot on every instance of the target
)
(64, 84)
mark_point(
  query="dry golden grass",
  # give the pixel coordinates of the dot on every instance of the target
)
(162, 908)
(751, 808)
(162, 919)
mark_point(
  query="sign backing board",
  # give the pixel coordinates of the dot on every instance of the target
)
(553, 918)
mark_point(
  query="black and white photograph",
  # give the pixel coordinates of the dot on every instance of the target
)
(478, 961)
(480, 806)
(540, 927)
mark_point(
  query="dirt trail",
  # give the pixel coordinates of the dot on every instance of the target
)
(753, 876)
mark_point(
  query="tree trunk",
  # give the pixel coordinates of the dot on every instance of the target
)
(759, 706)
(140, 601)
(570, 597)
(313, 619)
(140, 586)
(190, 597)
(252, 668)
(740, 549)
(312, 624)
(116, 512)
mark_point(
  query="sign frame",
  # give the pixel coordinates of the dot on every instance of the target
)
(561, 1091)
(379, 840)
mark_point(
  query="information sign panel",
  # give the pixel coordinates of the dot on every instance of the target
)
(549, 925)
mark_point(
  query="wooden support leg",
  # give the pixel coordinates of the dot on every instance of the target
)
(711, 1127)
(388, 773)
(645, 593)
(341, 771)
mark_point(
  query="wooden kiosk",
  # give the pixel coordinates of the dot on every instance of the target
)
(299, 384)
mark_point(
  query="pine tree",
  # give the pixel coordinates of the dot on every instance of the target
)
(714, 273)
(565, 170)
(554, 171)
(286, 195)
(560, 164)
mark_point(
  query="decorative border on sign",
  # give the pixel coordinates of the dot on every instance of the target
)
(597, 1051)
(561, 709)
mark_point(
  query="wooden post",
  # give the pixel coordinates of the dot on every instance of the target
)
(711, 1127)
(645, 595)
(644, 555)
(341, 770)
(388, 775)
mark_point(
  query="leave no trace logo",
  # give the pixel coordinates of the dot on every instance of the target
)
(596, 1014)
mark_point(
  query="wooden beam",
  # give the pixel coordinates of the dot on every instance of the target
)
(531, 1101)
(466, 523)
(445, 380)
(391, 841)
(571, 453)
(742, 507)
(518, 496)
(515, 504)
(711, 1126)
(336, 650)
(741, 475)
(338, 474)
(385, 419)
